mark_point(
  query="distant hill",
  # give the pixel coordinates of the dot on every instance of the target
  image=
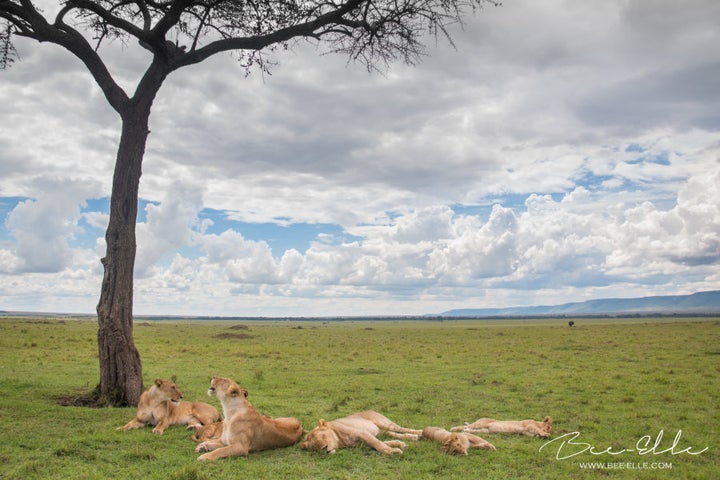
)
(695, 304)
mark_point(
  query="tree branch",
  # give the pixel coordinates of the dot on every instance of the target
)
(108, 18)
(305, 29)
(147, 18)
(30, 23)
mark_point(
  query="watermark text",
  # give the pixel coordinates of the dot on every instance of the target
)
(568, 446)
(626, 466)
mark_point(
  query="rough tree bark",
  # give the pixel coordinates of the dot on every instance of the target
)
(120, 367)
(121, 381)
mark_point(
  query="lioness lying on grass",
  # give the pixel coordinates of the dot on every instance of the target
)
(244, 429)
(456, 443)
(160, 405)
(356, 428)
(531, 428)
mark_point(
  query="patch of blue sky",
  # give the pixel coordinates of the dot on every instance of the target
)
(481, 211)
(514, 201)
(191, 252)
(142, 211)
(634, 147)
(102, 205)
(87, 235)
(280, 236)
(592, 182)
(662, 158)
(391, 215)
(7, 205)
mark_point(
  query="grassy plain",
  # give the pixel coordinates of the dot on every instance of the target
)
(613, 381)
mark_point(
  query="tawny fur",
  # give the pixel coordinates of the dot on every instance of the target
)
(456, 443)
(531, 428)
(208, 432)
(160, 406)
(244, 429)
(363, 427)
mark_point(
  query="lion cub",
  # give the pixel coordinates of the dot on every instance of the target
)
(531, 428)
(244, 429)
(456, 443)
(160, 405)
(208, 432)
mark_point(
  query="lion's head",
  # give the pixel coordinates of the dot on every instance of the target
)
(456, 444)
(546, 426)
(225, 388)
(167, 390)
(321, 438)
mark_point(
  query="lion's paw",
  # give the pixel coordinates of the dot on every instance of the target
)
(396, 444)
(201, 448)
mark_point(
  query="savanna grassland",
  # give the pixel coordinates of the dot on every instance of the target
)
(612, 381)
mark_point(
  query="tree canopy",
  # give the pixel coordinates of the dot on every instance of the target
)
(186, 32)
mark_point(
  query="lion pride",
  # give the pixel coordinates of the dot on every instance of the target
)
(359, 427)
(160, 405)
(244, 429)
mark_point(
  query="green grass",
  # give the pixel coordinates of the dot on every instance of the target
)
(614, 381)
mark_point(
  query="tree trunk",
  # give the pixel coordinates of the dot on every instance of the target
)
(121, 381)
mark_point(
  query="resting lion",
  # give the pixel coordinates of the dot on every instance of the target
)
(531, 428)
(244, 429)
(208, 432)
(356, 428)
(456, 443)
(160, 405)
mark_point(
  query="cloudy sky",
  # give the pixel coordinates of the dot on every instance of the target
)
(563, 151)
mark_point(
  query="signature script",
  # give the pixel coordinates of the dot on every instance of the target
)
(568, 446)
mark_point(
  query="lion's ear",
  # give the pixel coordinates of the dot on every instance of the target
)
(321, 423)
(548, 419)
(244, 392)
(158, 381)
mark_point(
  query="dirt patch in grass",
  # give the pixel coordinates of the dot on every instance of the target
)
(87, 399)
(91, 399)
(233, 336)
(368, 371)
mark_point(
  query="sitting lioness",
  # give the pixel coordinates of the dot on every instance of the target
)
(531, 428)
(244, 429)
(356, 428)
(160, 405)
(456, 443)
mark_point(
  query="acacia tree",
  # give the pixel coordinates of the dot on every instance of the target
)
(374, 32)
